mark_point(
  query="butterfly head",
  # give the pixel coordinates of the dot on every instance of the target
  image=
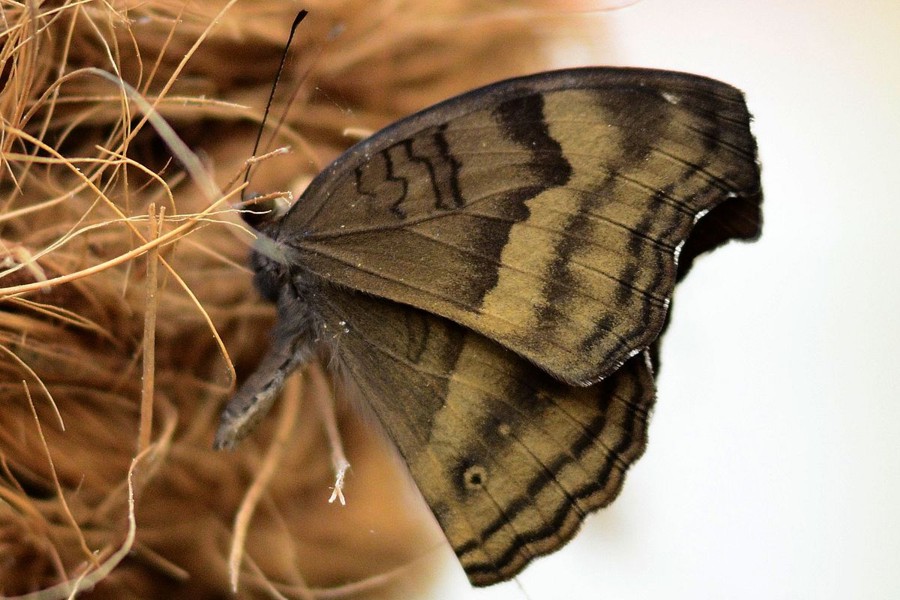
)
(270, 265)
(268, 258)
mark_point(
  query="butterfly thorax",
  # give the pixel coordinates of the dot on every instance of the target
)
(294, 289)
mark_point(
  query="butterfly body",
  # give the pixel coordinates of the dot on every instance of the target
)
(490, 276)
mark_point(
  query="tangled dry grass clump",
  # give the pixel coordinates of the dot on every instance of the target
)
(123, 277)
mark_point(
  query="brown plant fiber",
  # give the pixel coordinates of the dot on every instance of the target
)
(109, 342)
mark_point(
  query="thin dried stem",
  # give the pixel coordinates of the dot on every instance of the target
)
(150, 310)
(289, 410)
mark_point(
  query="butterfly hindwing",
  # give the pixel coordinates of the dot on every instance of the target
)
(545, 213)
(508, 458)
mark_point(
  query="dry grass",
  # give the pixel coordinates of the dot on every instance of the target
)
(106, 301)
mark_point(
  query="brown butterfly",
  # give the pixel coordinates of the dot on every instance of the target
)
(491, 276)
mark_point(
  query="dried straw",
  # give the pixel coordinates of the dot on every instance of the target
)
(140, 297)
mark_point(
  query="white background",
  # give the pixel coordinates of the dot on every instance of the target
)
(773, 469)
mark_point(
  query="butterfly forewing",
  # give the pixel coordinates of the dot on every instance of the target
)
(545, 213)
(508, 458)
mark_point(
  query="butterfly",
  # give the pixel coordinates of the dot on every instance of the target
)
(491, 275)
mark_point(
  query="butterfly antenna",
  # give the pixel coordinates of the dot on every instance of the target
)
(297, 20)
